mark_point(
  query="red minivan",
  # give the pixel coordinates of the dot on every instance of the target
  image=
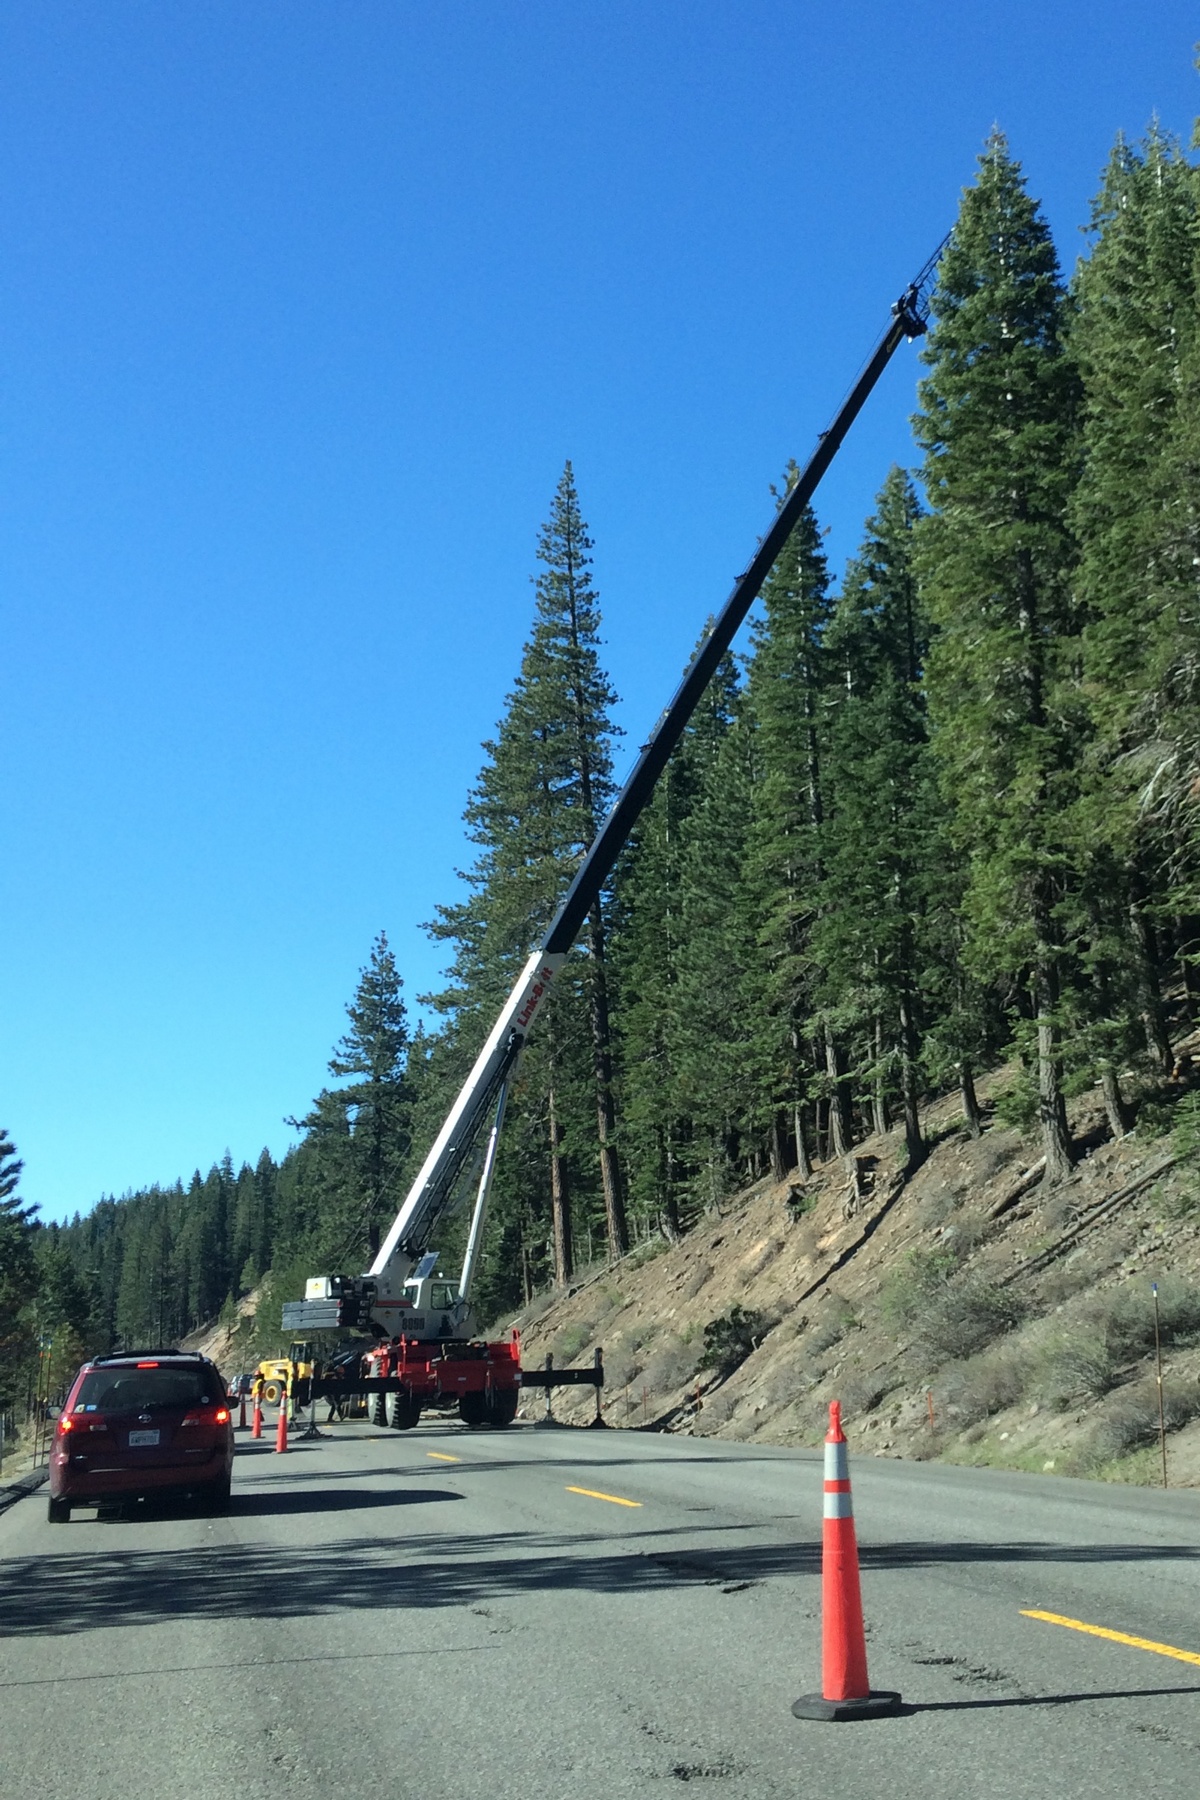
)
(139, 1424)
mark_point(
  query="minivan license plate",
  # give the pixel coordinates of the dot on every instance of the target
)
(142, 1437)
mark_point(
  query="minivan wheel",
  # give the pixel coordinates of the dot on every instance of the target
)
(59, 1511)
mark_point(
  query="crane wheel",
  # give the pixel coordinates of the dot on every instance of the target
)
(473, 1410)
(406, 1413)
(377, 1409)
(503, 1408)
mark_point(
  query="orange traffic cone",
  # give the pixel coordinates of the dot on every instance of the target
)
(256, 1427)
(281, 1428)
(845, 1690)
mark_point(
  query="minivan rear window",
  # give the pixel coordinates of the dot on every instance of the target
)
(144, 1390)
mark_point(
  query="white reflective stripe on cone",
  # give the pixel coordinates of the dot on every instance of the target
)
(837, 1462)
(838, 1506)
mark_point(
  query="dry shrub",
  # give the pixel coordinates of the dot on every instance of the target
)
(907, 1289)
(571, 1340)
(620, 1366)
(986, 1384)
(1083, 1360)
(861, 1394)
(1129, 1420)
(940, 1204)
(784, 1385)
(1074, 1364)
(962, 1318)
(1128, 1317)
(731, 1338)
(672, 1364)
(837, 1317)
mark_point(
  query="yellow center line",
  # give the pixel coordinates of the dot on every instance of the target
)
(614, 1499)
(1115, 1637)
(440, 1456)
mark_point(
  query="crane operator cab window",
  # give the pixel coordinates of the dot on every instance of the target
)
(442, 1296)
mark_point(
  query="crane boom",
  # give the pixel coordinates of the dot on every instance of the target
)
(481, 1095)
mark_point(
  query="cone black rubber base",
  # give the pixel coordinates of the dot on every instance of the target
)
(877, 1705)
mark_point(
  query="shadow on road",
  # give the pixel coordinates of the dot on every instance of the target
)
(63, 1591)
(271, 1503)
(936, 1706)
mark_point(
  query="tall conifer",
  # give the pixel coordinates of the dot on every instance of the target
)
(998, 426)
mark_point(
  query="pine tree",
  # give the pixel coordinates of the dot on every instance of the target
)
(533, 812)
(882, 838)
(652, 948)
(787, 696)
(18, 1273)
(361, 1134)
(1135, 519)
(719, 967)
(999, 428)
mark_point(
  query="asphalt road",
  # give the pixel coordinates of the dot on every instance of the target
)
(440, 1615)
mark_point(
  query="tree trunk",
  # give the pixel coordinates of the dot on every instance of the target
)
(803, 1160)
(914, 1141)
(1188, 935)
(879, 1112)
(560, 1202)
(839, 1124)
(1052, 1110)
(970, 1099)
(778, 1163)
(1114, 1102)
(606, 1114)
(1158, 1040)
(668, 1217)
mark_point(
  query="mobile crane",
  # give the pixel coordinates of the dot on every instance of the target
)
(427, 1353)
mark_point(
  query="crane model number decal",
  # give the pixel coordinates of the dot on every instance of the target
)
(541, 982)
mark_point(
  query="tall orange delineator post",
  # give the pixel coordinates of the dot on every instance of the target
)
(281, 1430)
(256, 1426)
(845, 1689)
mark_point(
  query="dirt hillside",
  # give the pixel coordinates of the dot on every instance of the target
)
(969, 1313)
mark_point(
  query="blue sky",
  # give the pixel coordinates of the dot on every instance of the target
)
(302, 307)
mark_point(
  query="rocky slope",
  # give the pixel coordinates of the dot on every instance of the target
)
(970, 1312)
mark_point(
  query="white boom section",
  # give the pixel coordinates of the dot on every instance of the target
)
(466, 1280)
(431, 1189)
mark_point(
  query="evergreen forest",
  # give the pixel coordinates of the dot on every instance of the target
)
(943, 813)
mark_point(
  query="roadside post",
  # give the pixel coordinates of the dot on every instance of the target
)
(598, 1362)
(310, 1430)
(846, 1691)
(1162, 1419)
(281, 1429)
(256, 1426)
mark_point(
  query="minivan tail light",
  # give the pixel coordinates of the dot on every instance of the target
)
(66, 1423)
(209, 1415)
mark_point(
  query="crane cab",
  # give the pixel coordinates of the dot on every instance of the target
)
(433, 1307)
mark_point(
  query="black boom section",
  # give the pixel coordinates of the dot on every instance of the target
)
(907, 321)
